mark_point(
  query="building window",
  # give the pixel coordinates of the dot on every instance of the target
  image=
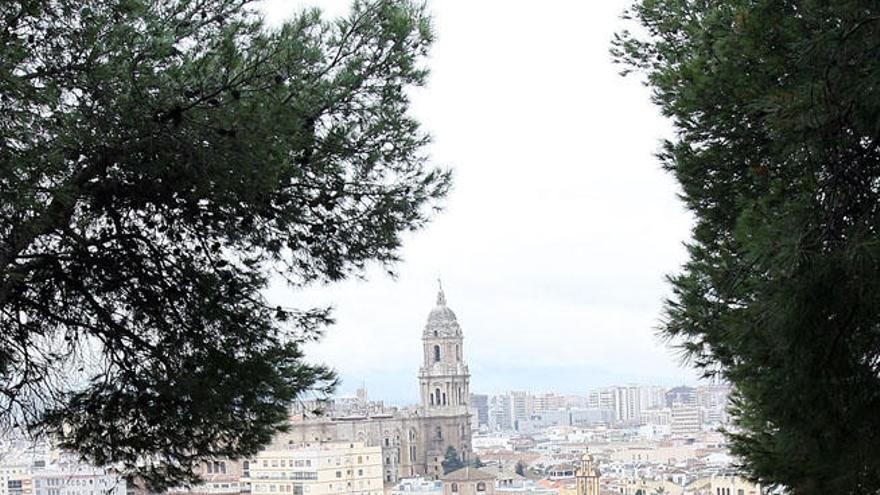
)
(439, 432)
(481, 487)
(436, 353)
(455, 488)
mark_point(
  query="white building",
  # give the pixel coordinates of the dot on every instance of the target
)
(76, 479)
(41, 472)
(319, 469)
(625, 401)
(685, 421)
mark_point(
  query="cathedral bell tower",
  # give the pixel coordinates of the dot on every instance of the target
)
(443, 377)
(587, 477)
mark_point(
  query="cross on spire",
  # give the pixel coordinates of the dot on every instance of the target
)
(441, 298)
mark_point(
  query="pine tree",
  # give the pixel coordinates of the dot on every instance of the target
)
(776, 107)
(451, 460)
(160, 163)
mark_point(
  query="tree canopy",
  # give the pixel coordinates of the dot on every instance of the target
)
(160, 163)
(776, 108)
(451, 460)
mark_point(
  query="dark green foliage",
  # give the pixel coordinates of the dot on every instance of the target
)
(478, 463)
(451, 460)
(520, 468)
(777, 112)
(159, 162)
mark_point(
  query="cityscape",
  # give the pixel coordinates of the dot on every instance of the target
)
(437, 247)
(626, 439)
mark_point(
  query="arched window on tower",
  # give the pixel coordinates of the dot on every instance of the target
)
(436, 353)
(439, 432)
(458, 352)
(437, 398)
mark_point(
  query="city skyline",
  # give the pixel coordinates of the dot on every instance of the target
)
(554, 280)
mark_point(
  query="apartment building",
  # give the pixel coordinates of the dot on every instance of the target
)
(316, 469)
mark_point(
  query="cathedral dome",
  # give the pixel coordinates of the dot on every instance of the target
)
(441, 320)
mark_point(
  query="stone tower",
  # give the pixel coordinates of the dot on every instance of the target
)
(443, 377)
(587, 477)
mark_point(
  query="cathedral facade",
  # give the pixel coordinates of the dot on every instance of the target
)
(414, 441)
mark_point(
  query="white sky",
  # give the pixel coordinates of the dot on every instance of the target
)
(559, 229)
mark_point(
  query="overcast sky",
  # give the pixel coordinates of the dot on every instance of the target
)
(561, 225)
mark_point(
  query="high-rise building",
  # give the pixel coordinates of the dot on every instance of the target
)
(713, 401)
(603, 398)
(625, 401)
(480, 407)
(655, 417)
(500, 413)
(652, 397)
(684, 396)
(544, 403)
(627, 404)
(521, 407)
(685, 421)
